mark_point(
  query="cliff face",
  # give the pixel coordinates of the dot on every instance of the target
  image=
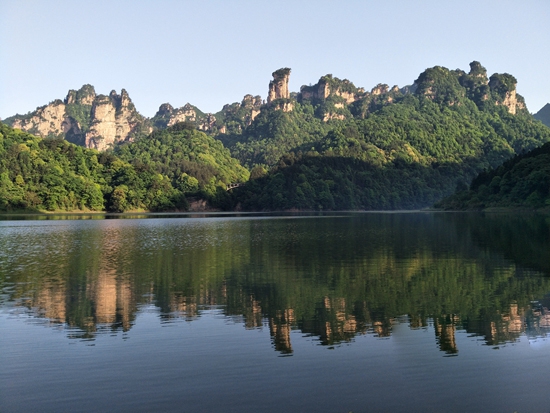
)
(185, 113)
(65, 118)
(44, 121)
(59, 117)
(84, 118)
(168, 116)
(252, 104)
(510, 100)
(209, 124)
(113, 119)
(503, 87)
(333, 97)
(331, 86)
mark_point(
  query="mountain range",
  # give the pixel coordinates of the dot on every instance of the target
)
(332, 145)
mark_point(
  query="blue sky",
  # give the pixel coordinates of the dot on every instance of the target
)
(212, 52)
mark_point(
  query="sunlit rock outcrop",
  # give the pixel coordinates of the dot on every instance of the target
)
(113, 119)
(45, 121)
(278, 87)
(503, 87)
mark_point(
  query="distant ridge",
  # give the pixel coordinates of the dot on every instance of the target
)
(101, 121)
(544, 115)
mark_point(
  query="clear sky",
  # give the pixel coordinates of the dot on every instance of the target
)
(212, 52)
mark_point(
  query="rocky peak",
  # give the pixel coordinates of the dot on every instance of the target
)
(165, 109)
(120, 101)
(441, 85)
(87, 119)
(113, 119)
(44, 121)
(331, 86)
(252, 106)
(476, 70)
(503, 88)
(234, 117)
(278, 87)
(84, 96)
(67, 118)
(168, 116)
(380, 89)
(317, 91)
(475, 82)
(189, 108)
(251, 102)
(124, 98)
(71, 97)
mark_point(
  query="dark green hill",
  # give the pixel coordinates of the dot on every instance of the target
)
(194, 162)
(523, 181)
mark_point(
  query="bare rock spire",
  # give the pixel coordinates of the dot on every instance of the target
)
(278, 87)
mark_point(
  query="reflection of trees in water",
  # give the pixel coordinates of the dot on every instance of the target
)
(328, 278)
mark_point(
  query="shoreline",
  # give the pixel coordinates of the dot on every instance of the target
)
(6, 215)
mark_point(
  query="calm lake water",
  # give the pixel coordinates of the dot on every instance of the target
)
(371, 312)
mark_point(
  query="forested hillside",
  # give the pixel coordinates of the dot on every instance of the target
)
(55, 175)
(523, 181)
(196, 164)
(338, 147)
(331, 146)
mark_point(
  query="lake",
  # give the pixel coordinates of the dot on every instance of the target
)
(350, 312)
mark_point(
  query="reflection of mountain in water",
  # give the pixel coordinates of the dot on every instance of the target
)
(331, 278)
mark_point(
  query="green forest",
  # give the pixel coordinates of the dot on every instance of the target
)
(332, 146)
(157, 174)
(520, 182)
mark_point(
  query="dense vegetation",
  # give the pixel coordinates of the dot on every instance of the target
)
(77, 109)
(55, 175)
(313, 182)
(523, 181)
(331, 146)
(195, 164)
(389, 150)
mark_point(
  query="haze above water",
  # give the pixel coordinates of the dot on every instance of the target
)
(351, 312)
